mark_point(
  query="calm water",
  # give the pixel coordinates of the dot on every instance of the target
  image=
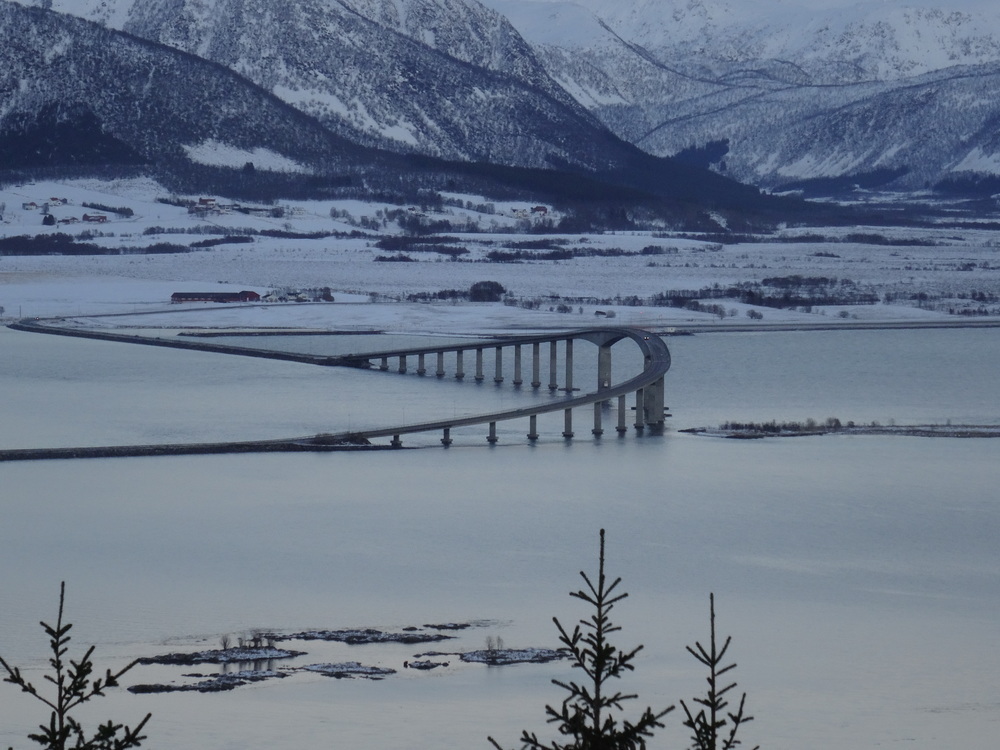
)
(858, 576)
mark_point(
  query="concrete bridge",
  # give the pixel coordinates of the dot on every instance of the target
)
(528, 352)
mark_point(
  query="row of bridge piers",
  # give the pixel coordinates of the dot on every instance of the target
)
(647, 409)
(498, 363)
(640, 408)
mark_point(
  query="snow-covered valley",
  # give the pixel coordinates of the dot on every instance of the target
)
(551, 281)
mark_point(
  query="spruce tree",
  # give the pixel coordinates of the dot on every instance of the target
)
(73, 686)
(710, 724)
(589, 714)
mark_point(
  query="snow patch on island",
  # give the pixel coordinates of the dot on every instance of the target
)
(501, 656)
(350, 669)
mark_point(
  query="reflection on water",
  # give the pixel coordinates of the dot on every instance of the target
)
(858, 575)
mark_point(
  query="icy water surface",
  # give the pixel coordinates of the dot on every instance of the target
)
(858, 575)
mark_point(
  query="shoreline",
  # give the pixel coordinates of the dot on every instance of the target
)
(927, 430)
(847, 325)
(314, 443)
(56, 325)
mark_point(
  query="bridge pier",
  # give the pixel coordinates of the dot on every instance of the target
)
(421, 368)
(517, 365)
(384, 365)
(603, 367)
(569, 365)
(492, 437)
(553, 366)
(536, 379)
(446, 437)
(459, 372)
(498, 371)
(396, 442)
(622, 415)
(533, 427)
(479, 365)
(640, 410)
(568, 423)
(598, 428)
(654, 406)
(440, 364)
(402, 364)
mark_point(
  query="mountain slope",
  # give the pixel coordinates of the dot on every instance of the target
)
(773, 91)
(922, 129)
(74, 92)
(830, 40)
(372, 84)
(439, 77)
(842, 91)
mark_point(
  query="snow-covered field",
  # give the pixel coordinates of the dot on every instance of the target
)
(948, 267)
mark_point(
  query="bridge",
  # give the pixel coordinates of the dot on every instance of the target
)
(646, 388)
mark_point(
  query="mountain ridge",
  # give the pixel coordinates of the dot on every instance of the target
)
(130, 86)
(779, 93)
(843, 98)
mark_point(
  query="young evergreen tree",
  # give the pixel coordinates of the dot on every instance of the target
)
(589, 714)
(711, 720)
(73, 686)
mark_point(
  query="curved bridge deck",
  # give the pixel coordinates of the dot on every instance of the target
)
(646, 386)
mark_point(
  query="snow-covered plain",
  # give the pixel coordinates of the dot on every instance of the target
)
(938, 272)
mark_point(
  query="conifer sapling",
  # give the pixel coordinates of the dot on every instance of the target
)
(711, 720)
(588, 716)
(73, 686)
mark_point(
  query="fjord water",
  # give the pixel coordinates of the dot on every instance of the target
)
(858, 575)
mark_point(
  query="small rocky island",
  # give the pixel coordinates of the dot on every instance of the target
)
(255, 659)
(367, 635)
(240, 654)
(833, 426)
(503, 656)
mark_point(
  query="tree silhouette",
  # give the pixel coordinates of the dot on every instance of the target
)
(711, 718)
(589, 712)
(73, 686)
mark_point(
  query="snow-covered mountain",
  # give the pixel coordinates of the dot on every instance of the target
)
(846, 39)
(442, 77)
(794, 91)
(74, 92)
(769, 92)
(271, 91)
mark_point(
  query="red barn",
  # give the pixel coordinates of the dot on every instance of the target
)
(244, 296)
